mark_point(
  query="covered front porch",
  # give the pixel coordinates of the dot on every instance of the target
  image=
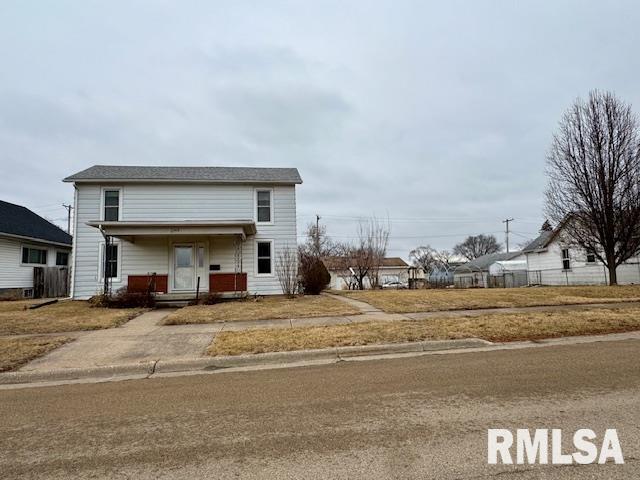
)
(176, 260)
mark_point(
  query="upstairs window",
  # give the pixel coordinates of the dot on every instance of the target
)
(591, 257)
(566, 260)
(263, 206)
(264, 258)
(62, 259)
(35, 256)
(111, 205)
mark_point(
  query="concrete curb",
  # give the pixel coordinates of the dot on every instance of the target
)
(21, 379)
(148, 369)
(145, 368)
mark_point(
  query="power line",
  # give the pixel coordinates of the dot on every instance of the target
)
(417, 219)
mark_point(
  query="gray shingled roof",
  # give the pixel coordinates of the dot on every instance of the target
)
(187, 174)
(20, 221)
(482, 263)
(541, 242)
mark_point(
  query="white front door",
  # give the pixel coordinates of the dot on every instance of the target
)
(184, 268)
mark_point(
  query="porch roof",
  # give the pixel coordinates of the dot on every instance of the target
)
(145, 228)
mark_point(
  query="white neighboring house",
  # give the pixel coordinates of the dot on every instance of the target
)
(27, 240)
(552, 259)
(393, 269)
(166, 228)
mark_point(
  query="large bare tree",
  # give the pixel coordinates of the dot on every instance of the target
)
(476, 246)
(594, 179)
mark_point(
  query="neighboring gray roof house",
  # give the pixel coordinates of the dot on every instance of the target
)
(26, 241)
(481, 264)
(18, 221)
(218, 175)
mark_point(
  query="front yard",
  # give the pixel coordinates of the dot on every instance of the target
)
(63, 316)
(499, 327)
(433, 300)
(15, 352)
(261, 309)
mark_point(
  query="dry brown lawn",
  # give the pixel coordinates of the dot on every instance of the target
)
(15, 352)
(408, 301)
(262, 309)
(64, 316)
(500, 327)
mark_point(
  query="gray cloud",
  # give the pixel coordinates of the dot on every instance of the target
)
(437, 115)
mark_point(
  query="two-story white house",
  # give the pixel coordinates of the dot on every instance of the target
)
(177, 229)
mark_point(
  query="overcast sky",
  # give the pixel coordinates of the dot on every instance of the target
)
(436, 115)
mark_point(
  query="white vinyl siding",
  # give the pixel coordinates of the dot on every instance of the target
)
(549, 266)
(15, 274)
(181, 202)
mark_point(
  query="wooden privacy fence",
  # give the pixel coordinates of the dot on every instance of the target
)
(50, 282)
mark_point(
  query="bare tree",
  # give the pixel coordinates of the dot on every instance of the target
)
(373, 237)
(318, 243)
(444, 259)
(594, 179)
(362, 259)
(286, 266)
(424, 257)
(476, 246)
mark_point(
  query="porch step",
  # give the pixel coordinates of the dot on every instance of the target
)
(172, 303)
(174, 300)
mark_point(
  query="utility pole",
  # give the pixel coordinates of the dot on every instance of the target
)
(506, 221)
(69, 208)
(317, 234)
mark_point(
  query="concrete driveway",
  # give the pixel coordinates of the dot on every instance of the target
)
(139, 340)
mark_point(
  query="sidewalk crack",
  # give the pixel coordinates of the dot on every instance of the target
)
(153, 368)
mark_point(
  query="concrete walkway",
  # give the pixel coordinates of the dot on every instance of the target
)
(139, 340)
(144, 339)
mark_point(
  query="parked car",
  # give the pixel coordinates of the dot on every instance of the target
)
(396, 285)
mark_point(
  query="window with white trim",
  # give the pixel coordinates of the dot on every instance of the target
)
(263, 206)
(34, 256)
(111, 202)
(566, 259)
(112, 267)
(591, 256)
(62, 259)
(264, 258)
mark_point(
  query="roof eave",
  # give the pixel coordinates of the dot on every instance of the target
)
(35, 239)
(165, 180)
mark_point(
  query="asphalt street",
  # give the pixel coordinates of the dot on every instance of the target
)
(419, 417)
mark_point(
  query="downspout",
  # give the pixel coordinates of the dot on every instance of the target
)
(105, 285)
(74, 241)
